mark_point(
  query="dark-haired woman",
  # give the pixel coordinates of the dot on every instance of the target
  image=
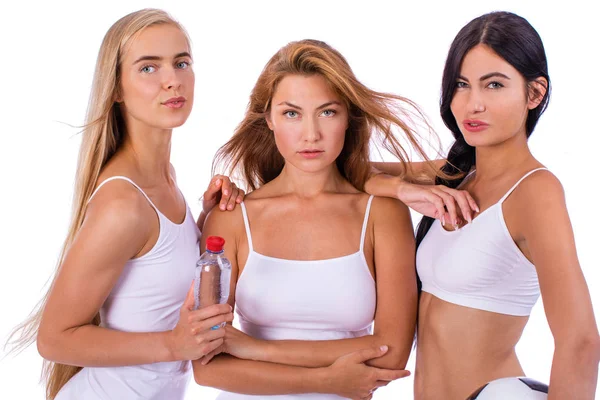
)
(482, 274)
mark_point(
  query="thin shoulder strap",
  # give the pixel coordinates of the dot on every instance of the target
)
(519, 181)
(364, 227)
(247, 225)
(124, 178)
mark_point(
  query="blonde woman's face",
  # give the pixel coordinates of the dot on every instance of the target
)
(309, 121)
(157, 80)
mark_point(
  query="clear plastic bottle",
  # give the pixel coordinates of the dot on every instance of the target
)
(213, 275)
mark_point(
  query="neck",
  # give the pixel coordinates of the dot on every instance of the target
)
(149, 151)
(493, 161)
(308, 185)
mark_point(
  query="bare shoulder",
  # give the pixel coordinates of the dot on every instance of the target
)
(223, 222)
(540, 189)
(387, 208)
(120, 205)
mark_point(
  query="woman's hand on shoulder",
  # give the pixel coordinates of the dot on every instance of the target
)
(438, 201)
(222, 191)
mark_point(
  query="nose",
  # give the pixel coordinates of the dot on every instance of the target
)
(171, 79)
(312, 132)
(475, 103)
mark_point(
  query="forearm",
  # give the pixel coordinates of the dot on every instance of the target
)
(93, 346)
(574, 372)
(383, 185)
(231, 374)
(422, 172)
(322, 353)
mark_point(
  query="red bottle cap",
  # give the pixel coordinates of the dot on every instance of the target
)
(215, 243)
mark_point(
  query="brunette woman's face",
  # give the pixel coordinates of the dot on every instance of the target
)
(157, 80)
(491, 100)
(309, 121)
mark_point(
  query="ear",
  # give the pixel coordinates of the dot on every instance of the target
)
(268, 119)
(536, 91)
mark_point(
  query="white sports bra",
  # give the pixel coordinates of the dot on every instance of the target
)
(479, 265)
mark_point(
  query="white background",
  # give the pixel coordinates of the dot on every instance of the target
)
(48, 53)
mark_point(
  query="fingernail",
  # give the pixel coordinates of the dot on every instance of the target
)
(383, 348)
(222, 206)
(217, 182)
(225, 192)
(443, 220)
(455, 227)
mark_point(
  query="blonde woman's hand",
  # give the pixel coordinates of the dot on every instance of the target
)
(192, 337)
(221, 191)
(239, 345)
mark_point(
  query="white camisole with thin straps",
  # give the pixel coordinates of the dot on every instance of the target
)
(146, 298)
(280, 299)
(479, 265)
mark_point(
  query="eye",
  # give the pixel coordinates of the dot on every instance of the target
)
(328, 113)
(183, 64)
(148, 69)
(290, 114)
(495, 85)
(461, 85)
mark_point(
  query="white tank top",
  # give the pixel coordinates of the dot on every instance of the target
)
(479, 265)
(146, 298)
(279, 299)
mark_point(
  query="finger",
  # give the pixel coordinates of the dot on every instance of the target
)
(391, 374)
(450, 205)
(232, 199)
(461, 199)
(206, 335)
(210, 311)
(226, 191)
(209, 347)
(214, 187)
(240, 196)
(363, 355)
(215, 322)
(206, 359)
(439, 206)
(189, 302)
(472, 201)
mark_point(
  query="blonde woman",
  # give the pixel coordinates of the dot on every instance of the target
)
(114, 324)
(315, 259)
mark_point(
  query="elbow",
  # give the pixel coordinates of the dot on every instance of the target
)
(45, 346)
(395, 358)
(585, 348)
(202, 374)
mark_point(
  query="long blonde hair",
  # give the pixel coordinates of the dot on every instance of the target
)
(102, 136)
(252, 150)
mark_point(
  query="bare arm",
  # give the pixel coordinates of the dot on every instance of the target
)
(548, 236)
(392, 235)
(415, 169)
(117, 226)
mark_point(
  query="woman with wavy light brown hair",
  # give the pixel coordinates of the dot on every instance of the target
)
(114, 324)
(315, 260)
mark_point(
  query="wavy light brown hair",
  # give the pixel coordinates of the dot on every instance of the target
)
(252, 150)
(102, 136)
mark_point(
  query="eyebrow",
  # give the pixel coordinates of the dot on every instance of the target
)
(318, 108)
(487, 76)
(157, 58)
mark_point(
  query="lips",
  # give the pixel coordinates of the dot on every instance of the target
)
(311, 153)
(175, 102)
(473, 125)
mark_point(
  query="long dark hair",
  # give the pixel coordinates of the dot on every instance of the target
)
(514, 39)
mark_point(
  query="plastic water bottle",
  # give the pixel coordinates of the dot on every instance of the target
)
(213, 275)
